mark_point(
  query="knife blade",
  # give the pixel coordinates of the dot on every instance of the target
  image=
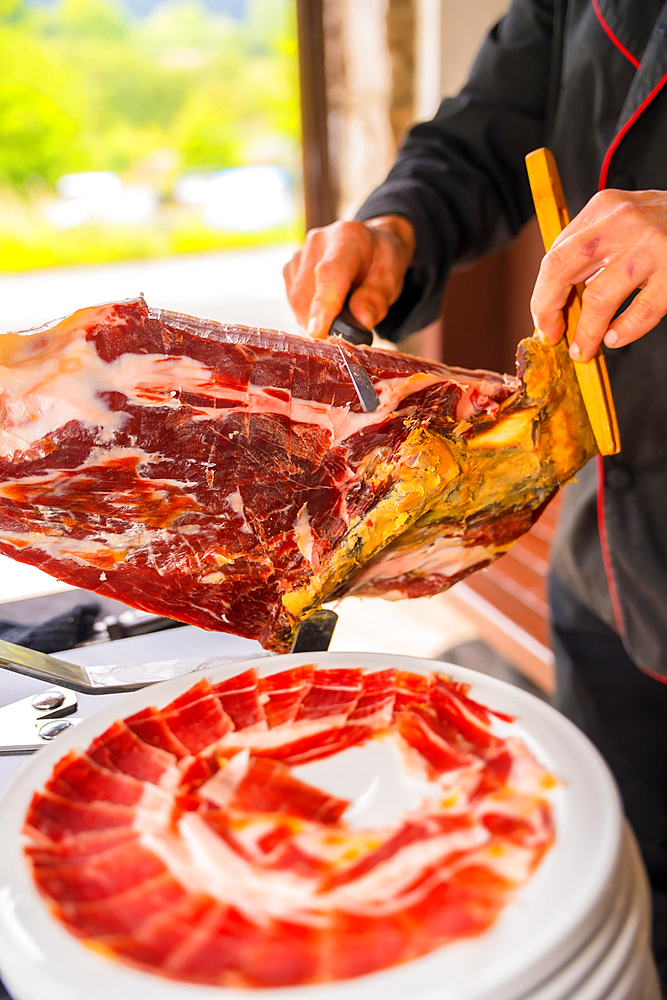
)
(114, 679)
(350, 331)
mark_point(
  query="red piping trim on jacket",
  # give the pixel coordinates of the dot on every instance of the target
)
(602, 523)
(612, 36)
(653, 675)
(624, 130)
(606, 555)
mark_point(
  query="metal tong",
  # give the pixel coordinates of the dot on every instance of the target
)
(352, 332)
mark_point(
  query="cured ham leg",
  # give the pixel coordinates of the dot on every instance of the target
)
(227, 477)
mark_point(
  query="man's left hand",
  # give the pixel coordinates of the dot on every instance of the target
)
(616, 244)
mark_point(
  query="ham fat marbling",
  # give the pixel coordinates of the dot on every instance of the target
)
(226, 476)
(224, 866)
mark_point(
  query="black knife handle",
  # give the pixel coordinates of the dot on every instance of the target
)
(314, 633)
(350, 329)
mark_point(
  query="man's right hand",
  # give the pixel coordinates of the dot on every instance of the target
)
(372, 257)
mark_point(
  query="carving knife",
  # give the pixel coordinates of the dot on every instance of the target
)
(313, 635)
(350, 331)
(117, 679)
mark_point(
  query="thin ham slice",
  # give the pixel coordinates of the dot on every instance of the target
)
(119, 749)
(197, 718)
(436, 741)
(455, 708)
(52, 817)
(215, 946)
(375, 704)
(281, 694)
(332, 692)
(411, 689)
(79, 845)
(323, 743)
(239, 697)
(150, 727)
(268, 786)
(124, 912)
(105, 874)
(78, 777)
(160, 936)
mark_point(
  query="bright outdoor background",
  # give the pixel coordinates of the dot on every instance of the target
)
(139, 131)
(155, 147)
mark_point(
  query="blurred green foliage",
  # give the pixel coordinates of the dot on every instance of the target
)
(86, 85)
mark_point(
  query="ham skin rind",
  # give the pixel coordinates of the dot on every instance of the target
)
(228, 477)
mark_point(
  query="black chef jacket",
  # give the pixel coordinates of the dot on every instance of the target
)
(588, 79)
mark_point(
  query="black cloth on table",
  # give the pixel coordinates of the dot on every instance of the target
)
(64, 631)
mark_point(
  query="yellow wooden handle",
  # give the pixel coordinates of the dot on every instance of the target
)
(553, 217)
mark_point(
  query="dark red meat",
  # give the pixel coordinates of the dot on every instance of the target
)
(227, 477)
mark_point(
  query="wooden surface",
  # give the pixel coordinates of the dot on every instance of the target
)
(319, 194)
(508, 602)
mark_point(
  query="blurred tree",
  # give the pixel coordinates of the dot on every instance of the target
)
(34, 136)
(104, 20)
(88, 85)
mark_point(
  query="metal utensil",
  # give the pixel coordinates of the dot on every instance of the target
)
(314, 633)
(352, 332)
(93, 679)
(32, 722)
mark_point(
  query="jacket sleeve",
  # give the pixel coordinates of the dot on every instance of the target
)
(460, 178)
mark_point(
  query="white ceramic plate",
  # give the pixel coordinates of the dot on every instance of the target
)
(563, 904)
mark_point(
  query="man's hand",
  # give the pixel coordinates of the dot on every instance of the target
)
(616, 244)
(372, 257)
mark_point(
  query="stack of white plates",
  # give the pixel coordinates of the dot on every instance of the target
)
(579, 929)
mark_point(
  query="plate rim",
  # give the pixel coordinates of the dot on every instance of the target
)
(584, 907)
